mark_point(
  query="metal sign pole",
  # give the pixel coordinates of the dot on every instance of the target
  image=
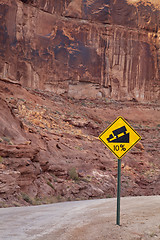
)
(118, 192)
(119, 137)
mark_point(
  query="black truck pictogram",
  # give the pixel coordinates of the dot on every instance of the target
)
(119, 139)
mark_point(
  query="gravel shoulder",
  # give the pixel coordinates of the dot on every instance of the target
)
(83, 220)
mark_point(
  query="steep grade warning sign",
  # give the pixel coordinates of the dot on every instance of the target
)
(119, 137)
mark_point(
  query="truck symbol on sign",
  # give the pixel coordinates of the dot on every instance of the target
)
(119, 136)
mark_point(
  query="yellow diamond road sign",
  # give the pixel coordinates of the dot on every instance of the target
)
(119, 137)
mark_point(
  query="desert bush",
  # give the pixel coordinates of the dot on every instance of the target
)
(73, 174)
(26, 198)
(50, 184)
(7, 140)
(1, 159)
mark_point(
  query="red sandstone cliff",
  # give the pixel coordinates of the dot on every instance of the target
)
(110, 48)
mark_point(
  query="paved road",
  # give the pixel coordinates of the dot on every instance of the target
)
(83, 220)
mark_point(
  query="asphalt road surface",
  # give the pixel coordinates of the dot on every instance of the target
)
(83, 220)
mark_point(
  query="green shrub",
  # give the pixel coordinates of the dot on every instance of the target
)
(1, 159)
(26, 198)
(8, 140)
(73, 174)
(88, 178)
(50, 184)
(108, 196)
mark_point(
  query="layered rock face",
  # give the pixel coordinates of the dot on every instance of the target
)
(49, 148)
(82, 48)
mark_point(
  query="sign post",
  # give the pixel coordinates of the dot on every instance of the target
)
(119, 137)
(118, 192)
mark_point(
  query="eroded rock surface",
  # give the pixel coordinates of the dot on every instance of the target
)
(110, 47)
(49, 148)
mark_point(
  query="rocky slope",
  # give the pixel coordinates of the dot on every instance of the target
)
(100, 48)
(49, 149)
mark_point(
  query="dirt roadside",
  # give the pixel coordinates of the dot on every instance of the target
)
(84, 220)
(140, 220)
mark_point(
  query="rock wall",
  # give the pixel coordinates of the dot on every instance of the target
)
(111, 47)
